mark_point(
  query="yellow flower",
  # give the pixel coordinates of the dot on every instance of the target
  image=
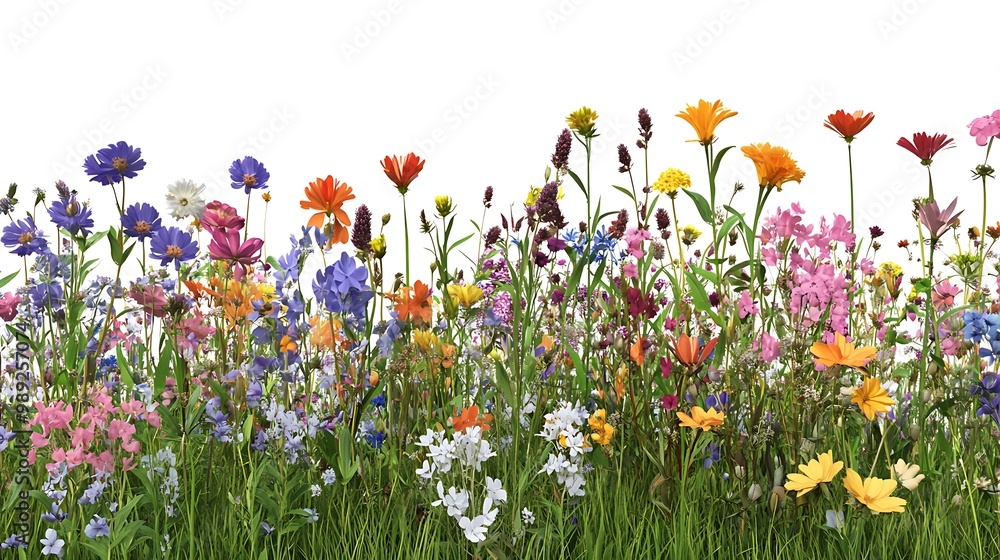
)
(582, 121)
(890, 268)
(706, 420)
(378, 246)
(267, 292)
(671, 180)
(467, 295)
(690, 234)
(885, 278)
(443, 204)
(425, 340)
(813, 473)
(287, 344)
(533, 193)
(704, 118)
(266, 196)
(907, 474)
(872, 398)
(603, 432)
(842, 353)
(874, 493)
(775, 165)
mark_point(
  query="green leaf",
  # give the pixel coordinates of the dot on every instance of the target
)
(162, 368)
(703, 207)
(6, 279)
(576, 178)
(125, 367)
(700, 297)
(116, 246)
(626, 192)
(718, 161)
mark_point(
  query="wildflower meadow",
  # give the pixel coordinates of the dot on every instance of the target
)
(689, 369)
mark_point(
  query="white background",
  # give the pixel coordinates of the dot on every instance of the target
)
(481, 89)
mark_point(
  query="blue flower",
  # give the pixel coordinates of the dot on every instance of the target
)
(72, 216)
(604, 246)
(172, 244)
(249, 174)
(114, 163)
(378, 401)
(140, 221)
(342, 288)
(217, 418)
(375, 439)
(392, 331)
(97, 528)
(46, 294)
(714, 454)
(24, 238)
(14, 541)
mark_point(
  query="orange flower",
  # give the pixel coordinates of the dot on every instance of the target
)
(775, 165)
(413, 303)
(402, 171)
(842, 353)
(848, 125)
(704, 419)
(328, 196)
(635, 352)
(469, 418)
(689, 351)
(704, 118)
(322, 335)
(287, 344)
(448, 355)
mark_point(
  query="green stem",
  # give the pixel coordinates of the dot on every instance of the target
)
(850, 175)
(406, 240)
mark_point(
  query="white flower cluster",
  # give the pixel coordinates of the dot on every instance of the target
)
(163, 466)
(291, 427)
(455, 460)
(562, 428)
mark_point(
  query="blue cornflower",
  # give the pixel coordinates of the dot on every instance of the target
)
(172, 244)
(375, 439)
(574, 240)
(24, 238)
(714, 454)
(248, 174)
(378, 401)
(114, 163)
(72, 216)
(140, 221)
(604, 246)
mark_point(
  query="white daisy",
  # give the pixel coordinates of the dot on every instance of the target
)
(185, 199)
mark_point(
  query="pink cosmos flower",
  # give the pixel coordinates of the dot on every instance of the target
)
(985, 128)
(630, 270)
(8, 306)
(944, 294)
(221, 216)
(226, 246)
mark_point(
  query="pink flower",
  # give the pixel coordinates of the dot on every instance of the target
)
(120, 429)
(226, 246)
(8, 306)
(105, 462)
(668, 402)
(153, 418)
(38, 440)
(944, 294)
(219, 215)
(634, 238)
(746, 305)
(82, 437)
(986, 127)
(630, 270)
(770, 347)
(152, 298)
(666, 366)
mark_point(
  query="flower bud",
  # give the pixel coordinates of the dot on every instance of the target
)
(914, 431)
(755, 492)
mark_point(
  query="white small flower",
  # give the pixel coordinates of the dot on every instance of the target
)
(52, 544)
(316, 490)
(907, 474)
(426, 470)
(185, 199)
(527, 516)
(489, 512)
(329, 477)
(494, 490)
(311, 515)
(834, 519)
(475, 529)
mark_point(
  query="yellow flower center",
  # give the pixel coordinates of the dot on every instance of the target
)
(249, 180)
(25, 238)
(119, 163)
(174, 251)
(141, 227)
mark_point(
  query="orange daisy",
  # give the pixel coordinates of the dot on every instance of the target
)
(775, 165)
(848, 125)
(328, 197)
(402, 170)
(689, 351)
(704, 118)
(842, 353)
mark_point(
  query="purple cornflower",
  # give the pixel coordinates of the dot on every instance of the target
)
(24, 238)
(140, 221)
(72, 216)
(114, 163)
(172, 244)
(248, 174)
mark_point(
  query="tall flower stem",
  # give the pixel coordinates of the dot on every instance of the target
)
(982, 231)
(246, 229)
(406, 240)
(850, 176)
(930, 185)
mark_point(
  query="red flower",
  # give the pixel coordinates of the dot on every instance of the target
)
(402, 170)
(848, 125)
(925, 146)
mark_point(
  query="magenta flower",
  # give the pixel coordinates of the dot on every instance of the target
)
(926, 146)
(8, 306)
(226, 246)
(152, 298)
(219, 215)
(985, 128)
(747, 306)
(770, 347)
